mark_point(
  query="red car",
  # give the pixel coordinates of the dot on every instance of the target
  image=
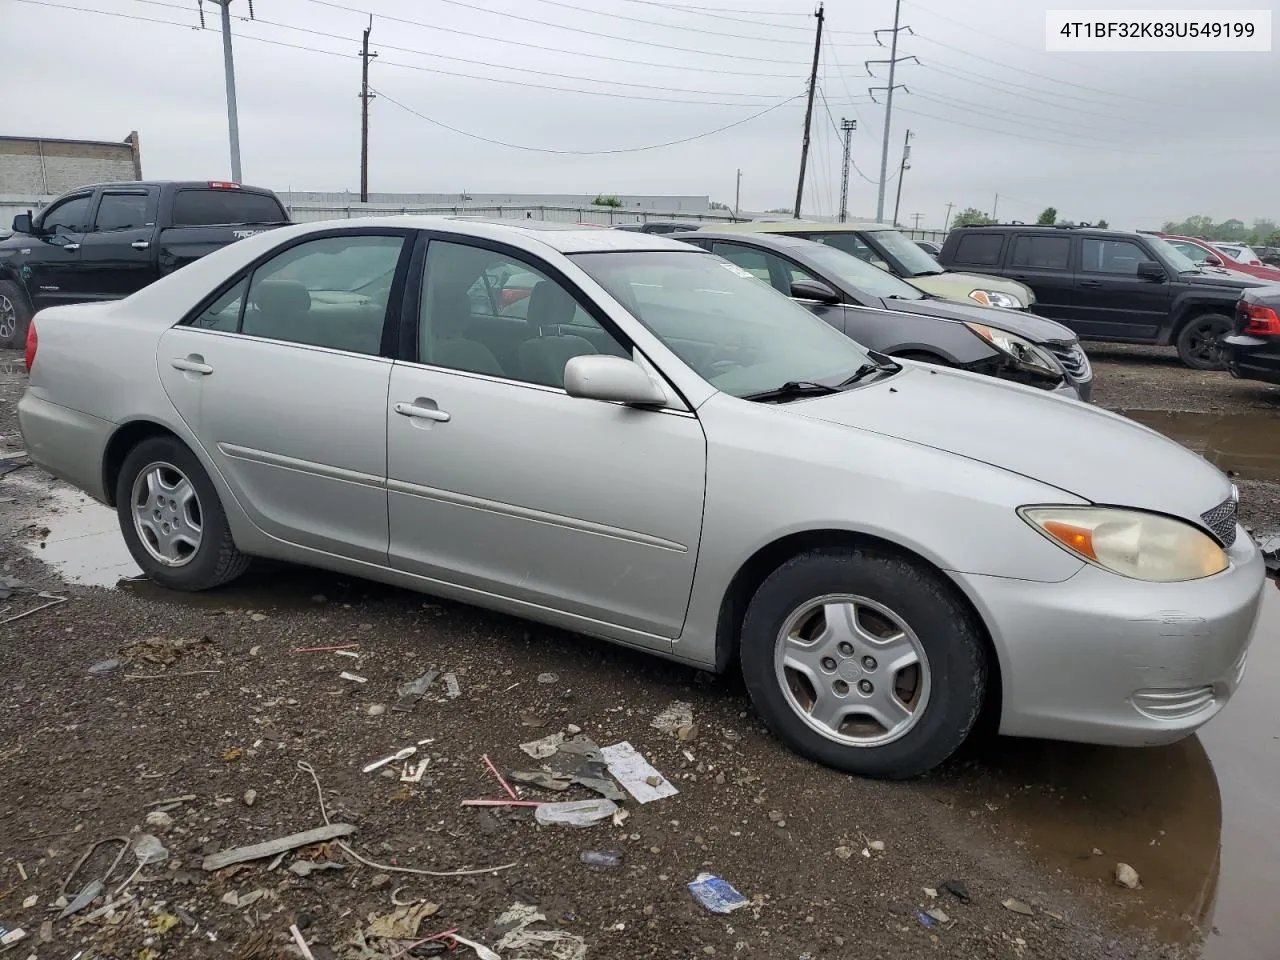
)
(1206, 254)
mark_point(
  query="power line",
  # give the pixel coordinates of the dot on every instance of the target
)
(694, 68)
(111, 13)
(836, 127)
(952, 103)
(1017, 136)
(718, 13)
(587, 153)
(669, 26)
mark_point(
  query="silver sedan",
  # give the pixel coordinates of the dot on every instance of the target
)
(628, 437)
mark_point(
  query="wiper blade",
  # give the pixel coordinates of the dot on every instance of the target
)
(792, 390)
(867, 369)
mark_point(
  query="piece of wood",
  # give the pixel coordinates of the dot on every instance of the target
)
(270, 848)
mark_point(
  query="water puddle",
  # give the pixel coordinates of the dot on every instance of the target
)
(83, 541)
(1245, 443)
(1195, 819)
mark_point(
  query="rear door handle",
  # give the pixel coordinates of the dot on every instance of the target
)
(419, 412)
(192, 364)
(140, 244)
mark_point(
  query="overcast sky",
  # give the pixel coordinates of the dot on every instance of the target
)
(1133, 138)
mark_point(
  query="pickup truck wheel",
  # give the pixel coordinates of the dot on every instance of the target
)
(14, 316)
(1198, 341)
(172, 519)
(864, 661)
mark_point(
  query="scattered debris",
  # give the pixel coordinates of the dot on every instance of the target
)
(503, 803)
(548, 678)
(30, 902)
(148, 849)
(159, 819)
(925, 919)
(413, 773)
(259, 851)
(250, 797)
(380, 881)
(304, 868)
(581, 761)
(938, 914)
(451, 688)
(876, 846)
(402, 923)
(958, 890)
(1126, 876)
(483, 952)
(340, 646)
(635, 774)
(552, 944)
(678, 716)
(1270, 549)
(930, 892)
(844, 853)
(353, 677)
(53, 602)
(399, 755)
(575, 813)
(347, 653)
(601, 858)
(10, 935)
(540, 778)
(301, 941)
(715, 894)
(541, 749)
(104, 667)
(411, 692)
(1017, 906)
(11, 585)
(376, 709)
(494, 770)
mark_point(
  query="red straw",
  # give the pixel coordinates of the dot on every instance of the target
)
(494, 770)
(438, 936)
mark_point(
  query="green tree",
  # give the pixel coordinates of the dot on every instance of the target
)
(1048, 217)
(971, 217)
(1103, 225)
(602, 201)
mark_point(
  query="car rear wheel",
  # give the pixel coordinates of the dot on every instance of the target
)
(864, 661)
(14, 316)
(1198, 341)
(172, 519)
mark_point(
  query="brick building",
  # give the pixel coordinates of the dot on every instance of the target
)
(41, 167)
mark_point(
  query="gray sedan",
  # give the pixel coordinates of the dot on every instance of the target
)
(664, 452)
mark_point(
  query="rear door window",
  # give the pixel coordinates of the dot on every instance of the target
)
(123, 211)
(195, 207)
(980, 249)
(1041, 253)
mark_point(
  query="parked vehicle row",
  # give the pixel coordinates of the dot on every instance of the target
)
(105, 242)
(1252, 349)
(1220, 256)
(659, 449)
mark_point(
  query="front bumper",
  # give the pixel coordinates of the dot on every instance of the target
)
(1252, 358)
(1101, 658)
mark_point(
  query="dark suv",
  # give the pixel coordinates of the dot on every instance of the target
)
(1109, 284)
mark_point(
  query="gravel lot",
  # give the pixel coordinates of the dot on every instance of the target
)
(212, 700)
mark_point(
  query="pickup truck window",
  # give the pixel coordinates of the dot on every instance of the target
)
(1043, 253)
(68, 216)
(121, 211)
(203, 208)
(980, 249)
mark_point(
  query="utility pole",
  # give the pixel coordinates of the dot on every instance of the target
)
(916, 217)
(947, 222)
(906, 154)
(233, 121)
(365, 97)
(808, 110)
(737, 192)
(848, 126)
(893, 62)
(993, 208)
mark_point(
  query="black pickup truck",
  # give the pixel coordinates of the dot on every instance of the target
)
(107, 241)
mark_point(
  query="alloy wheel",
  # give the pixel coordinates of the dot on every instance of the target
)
(8, 319)
(166, 514)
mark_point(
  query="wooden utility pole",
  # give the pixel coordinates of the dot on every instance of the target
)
(947, 222)
(906, 165)
(737, 192)
(916, 217)
(365, 97)
(808, 110)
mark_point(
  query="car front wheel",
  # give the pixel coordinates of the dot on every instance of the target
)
(172, 519)
(864, 661)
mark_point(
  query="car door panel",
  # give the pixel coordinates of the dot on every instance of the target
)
(117, 255)
(1111, 305)
(590, 508)
(51, 267)
(1043, 263)
(297, 432)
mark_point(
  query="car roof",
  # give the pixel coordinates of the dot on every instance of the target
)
(186, 184)
(773, 241)
(794, 226)
(1047, 228)
(562, 237)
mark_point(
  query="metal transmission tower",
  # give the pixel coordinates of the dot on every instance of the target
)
(893, 62)
(365, 97)
(847, 126)
(233, 120)
(906, 165)
(808, 111)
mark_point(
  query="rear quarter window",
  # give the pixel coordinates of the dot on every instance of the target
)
(202, 208)
(979, 249)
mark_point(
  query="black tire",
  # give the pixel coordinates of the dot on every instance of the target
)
(216, 560)
(1198, 341)
(15, 315)
(946, 629)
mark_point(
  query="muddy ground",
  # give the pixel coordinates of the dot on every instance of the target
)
(211, 700)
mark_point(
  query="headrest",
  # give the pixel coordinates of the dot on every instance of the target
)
(549, 306)
(450, 310)
(282, 297)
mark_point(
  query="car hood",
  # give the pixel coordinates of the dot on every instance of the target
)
(1222, 278)
(1080, 449)
(1035, 328)
(956, 285)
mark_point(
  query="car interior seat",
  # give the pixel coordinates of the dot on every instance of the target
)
(543, 356)
(448, 315)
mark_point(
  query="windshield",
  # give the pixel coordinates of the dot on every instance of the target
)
(1170, 255)
(856, 273)
(910, 260)
(738, 333)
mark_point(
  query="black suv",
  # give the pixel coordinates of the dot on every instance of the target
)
(1109, 284)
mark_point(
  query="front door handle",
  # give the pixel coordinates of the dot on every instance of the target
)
(1090, 283)
(140, 244)
(420, 412)
(71, 246)
(192, 364)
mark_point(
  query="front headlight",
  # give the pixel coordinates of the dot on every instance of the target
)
(1144, 546)
(1025, 353)
(994, 298)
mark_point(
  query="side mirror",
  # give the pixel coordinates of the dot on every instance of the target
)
(1151, 270)
(22, 223)
(814, 290)
(611, 379)
(1212, 261)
